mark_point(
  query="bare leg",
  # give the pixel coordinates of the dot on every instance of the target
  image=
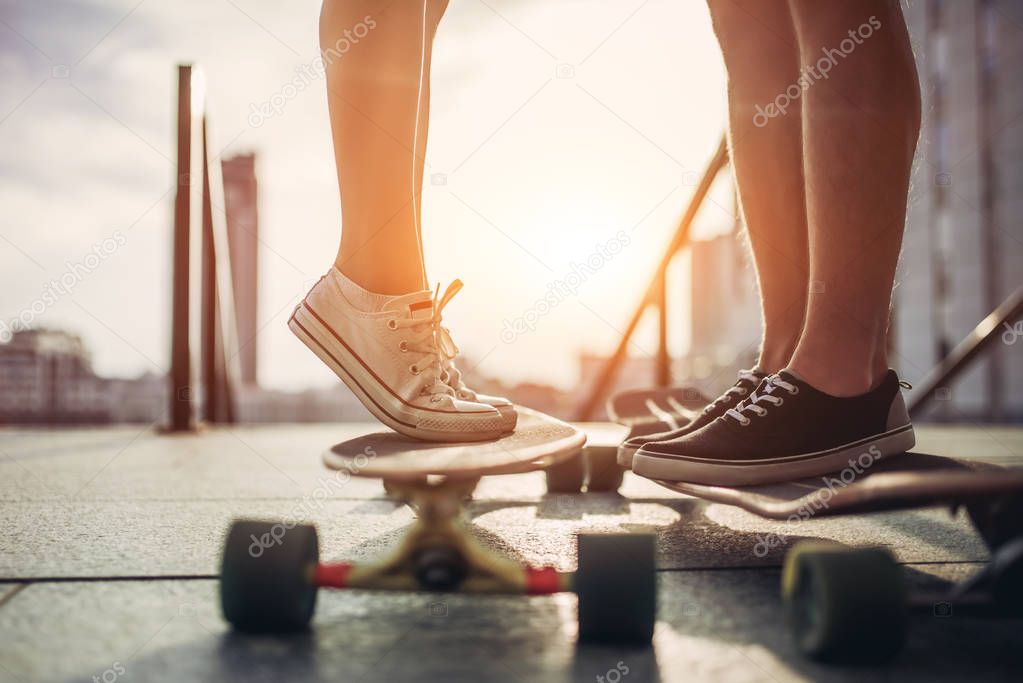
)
(762, 57)
(860, 127)
(378, 91)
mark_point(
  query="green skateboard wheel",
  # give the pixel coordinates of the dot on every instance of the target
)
(266, 576)
(844, 604)
(616, 583)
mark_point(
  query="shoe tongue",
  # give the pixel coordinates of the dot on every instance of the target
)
(418, 305)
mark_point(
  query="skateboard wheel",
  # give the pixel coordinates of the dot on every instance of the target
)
(603, 473)
(1006, 570)
(616, 583)
(567, 476)
(844, 604)
(265, 576)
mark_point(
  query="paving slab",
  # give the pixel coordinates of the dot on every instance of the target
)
(279, 461)
(712, 626)
(112, 504)
(183, 537)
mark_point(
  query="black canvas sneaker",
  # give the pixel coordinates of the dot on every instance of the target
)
(785, 430)
(747, 382)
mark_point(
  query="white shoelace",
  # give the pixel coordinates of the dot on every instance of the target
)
(762, 395)
(747, 375)
(434, 342)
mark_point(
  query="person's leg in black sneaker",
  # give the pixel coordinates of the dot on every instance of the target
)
(836, 400)
(761, 54)
(747, 382)
(860, 128)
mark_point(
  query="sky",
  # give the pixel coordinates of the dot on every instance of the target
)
(557, 127)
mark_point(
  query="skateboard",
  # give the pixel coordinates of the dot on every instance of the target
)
(844, 602)
(274, 590)
(647, 411)
(595, 469)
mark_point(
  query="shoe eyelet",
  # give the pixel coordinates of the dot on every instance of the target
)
(781, 401)
(794, 391)
(403, 346)
(392, 324)
(414, 369)
(743, 391)
(434, 399)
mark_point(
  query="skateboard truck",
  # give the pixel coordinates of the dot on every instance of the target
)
(438, 554)
(271, 574)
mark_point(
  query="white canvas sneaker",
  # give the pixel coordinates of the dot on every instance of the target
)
(390, 360)
(452, 376)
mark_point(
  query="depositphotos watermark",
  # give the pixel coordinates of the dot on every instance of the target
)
(1012, 333)
(559, 290)
(615, 673)
(310, 504)
(855, 468)
(111, 674)
(74, 273)
(819, 70)
(307, 74)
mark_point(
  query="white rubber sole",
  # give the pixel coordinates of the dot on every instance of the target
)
(626, 454)
(787, 468)
(509, 418)
(401, 417)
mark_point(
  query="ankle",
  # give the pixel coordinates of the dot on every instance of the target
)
(775, 356)
(836, 374)
(387, 281)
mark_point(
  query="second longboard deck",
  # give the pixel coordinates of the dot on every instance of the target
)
(672, 406)
(538, 441)
(909, 480)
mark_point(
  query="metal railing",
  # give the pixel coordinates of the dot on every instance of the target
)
(656, 295)
(976, 342)
(980, 338)
(204, 347)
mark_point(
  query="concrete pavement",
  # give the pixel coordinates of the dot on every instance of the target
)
(111, 541)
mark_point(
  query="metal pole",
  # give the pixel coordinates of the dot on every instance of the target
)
(663, 371)
(182, 413)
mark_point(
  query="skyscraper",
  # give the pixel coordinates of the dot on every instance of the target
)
(963, 251)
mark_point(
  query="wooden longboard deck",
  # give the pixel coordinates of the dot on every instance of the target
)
(909, 480)
(538, 441)
(641, 407)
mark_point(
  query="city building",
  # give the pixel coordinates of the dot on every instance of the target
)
(963, 249)
(724, 303)
(47, 377)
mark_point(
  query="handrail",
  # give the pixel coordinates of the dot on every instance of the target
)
(980, 338)
(655, 294)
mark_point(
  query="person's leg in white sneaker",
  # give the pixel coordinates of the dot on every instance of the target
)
(836, 399)
(372, 319)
